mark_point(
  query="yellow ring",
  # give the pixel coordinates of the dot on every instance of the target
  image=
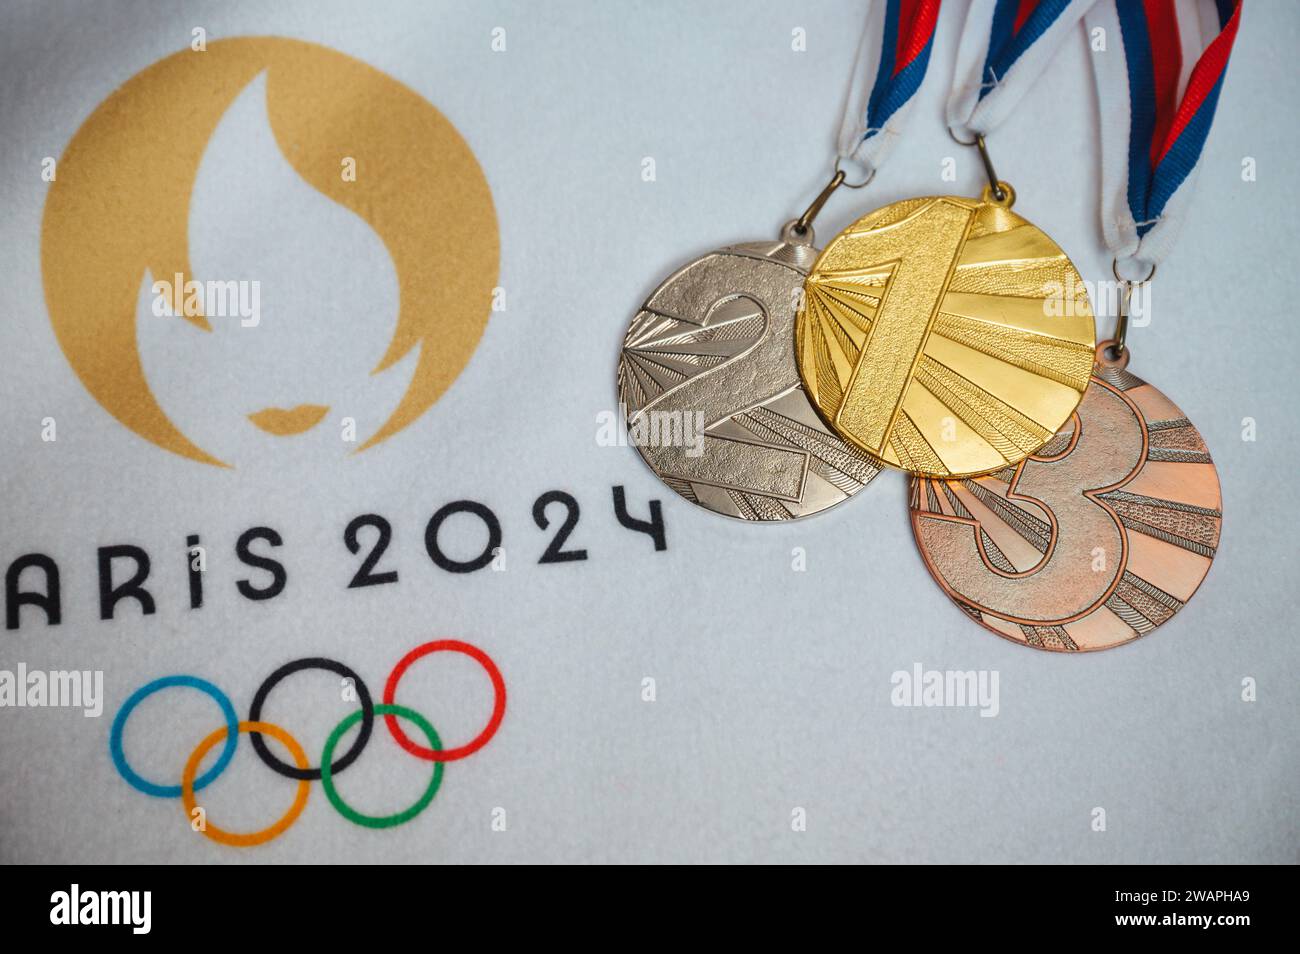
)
(222, 836)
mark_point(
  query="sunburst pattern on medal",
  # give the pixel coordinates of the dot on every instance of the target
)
(1169, 543)
(1004, 359)
(661, 352)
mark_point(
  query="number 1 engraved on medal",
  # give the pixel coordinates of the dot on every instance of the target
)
(928, 340)
(924, 248)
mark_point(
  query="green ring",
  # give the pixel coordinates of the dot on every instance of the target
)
(380, 821)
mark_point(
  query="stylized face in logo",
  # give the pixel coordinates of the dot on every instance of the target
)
(118, 216)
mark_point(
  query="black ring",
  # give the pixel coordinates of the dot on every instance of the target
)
(288, 669)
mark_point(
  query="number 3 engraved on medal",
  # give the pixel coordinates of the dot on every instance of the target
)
(1085, 551)
(757, 374)
(923, 248)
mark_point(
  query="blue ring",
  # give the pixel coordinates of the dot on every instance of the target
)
(119, 723)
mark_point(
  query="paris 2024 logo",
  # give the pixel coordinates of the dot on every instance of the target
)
(359, 200)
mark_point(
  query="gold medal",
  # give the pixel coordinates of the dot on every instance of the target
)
(944, 335)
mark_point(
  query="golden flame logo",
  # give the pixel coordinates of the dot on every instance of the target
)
(119, 208)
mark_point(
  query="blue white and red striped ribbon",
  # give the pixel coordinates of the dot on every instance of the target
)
(1005, 46)
(1153, 132)
(891, 64)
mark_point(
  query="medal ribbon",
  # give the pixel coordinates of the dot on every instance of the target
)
(891, 62)
(1005, 46)
(1151, 138)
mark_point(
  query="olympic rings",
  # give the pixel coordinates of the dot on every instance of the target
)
(124, 713)
(220, 835)
(498, 702)
(288, 669)
(302, 771)
(383, 821)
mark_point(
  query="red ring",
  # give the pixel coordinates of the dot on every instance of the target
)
(498, 704)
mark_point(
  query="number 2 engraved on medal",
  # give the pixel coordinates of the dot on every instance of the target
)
(923, 249)
(709, 357)
(745, 379)
(1083, 545)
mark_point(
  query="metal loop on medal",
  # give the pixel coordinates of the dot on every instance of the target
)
(1007, 198)
(791, 234)
(367, 717)
(1114, 269)
(804, 222)
(1002, 194)
(1119, 343)
(799, 231)
(866, 180)
(1109, 355)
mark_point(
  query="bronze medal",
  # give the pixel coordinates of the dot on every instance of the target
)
(1095, 540)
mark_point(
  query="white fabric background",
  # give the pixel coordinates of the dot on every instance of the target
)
(773, 686)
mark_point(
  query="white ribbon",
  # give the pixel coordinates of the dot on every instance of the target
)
(857, 142)
(969, 114)
(1135, 257)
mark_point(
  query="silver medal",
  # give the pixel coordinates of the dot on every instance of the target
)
(711, 392)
